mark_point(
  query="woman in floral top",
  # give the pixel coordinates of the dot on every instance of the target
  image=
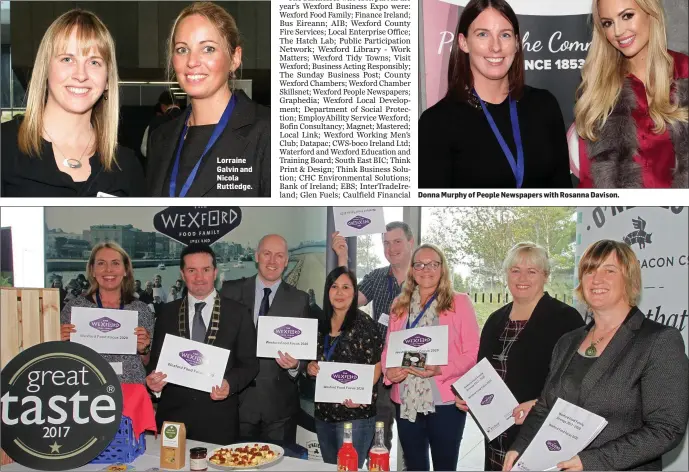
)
(111, 281)
(346, 334)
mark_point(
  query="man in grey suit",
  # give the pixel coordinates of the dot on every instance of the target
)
(268, 408)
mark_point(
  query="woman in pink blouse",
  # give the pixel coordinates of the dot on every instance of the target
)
(424, 401)
(632, 106)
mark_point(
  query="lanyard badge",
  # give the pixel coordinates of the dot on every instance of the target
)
(217, 131)
(518, 165)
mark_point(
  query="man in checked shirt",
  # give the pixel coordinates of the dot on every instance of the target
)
(381, 286)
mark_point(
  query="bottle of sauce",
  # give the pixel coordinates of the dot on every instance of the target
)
(379, 456)
(347, 457)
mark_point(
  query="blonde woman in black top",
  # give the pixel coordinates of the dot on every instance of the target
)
(66, 143)
(518, 339)
(346, 334)
(202, 152)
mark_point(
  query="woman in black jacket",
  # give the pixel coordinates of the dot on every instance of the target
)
(220, 147)
(518, 339)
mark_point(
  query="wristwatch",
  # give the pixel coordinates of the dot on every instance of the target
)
(146, 350)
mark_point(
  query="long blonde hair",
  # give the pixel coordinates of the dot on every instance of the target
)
(127, 288)
(220, 19)
(91, 32)
(445, 294)
(604, 73)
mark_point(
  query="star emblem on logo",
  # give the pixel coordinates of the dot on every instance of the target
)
(55, 448)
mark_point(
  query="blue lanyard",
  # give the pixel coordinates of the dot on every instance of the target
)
(328, 349)
(518, 166)
(217, 131)
(99, 302)
(418, 318)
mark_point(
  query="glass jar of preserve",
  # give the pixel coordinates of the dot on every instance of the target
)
(197, 456)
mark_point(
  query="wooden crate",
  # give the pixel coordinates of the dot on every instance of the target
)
(28, 316)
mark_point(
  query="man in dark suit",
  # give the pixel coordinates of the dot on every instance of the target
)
(205, 316)
(269, 406)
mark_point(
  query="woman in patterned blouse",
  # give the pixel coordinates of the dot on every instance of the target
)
(424, 402)
(518, 339)
(346, 334)
(111, 279)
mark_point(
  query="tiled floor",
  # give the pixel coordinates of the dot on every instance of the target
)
(471, 451)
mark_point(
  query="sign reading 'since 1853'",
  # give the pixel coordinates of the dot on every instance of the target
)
(61, 406)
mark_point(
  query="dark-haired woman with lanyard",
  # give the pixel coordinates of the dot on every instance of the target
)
(221, 146)
(346, 334)
(111, 279)
(491, 130)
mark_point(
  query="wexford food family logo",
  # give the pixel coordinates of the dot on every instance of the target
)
(553, 445)
(417, 340)
(487, 400)
(193, 357)
(358, 222)
(640, 236)
(104, 324)
(61, 406)
(344, 376)
(287, 331)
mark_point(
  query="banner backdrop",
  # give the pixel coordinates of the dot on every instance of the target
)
(658, 236)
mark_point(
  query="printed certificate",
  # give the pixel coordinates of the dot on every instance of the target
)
(490, 401)
(566, 432)
(359, 221)
(338, 381)
(297, 337)
(192, 364)
(105, 330)
(429, 340)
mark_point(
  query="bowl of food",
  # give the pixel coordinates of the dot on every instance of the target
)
(243, 456)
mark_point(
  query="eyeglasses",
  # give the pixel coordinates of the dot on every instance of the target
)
(433, 265)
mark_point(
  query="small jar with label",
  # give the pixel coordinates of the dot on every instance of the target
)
(197, 456)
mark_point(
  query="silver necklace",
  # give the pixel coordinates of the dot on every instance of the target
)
(69, 162)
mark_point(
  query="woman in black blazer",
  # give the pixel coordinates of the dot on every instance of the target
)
(518, 339)
(628, 369)
(221, 146)
(65, 145)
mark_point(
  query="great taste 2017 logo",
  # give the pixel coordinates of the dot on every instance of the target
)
(344, 376)
(287, 331)
(640, 236)
(417, 340)
(61, 406)
(193, 357)
(105, 324)
(359, 222)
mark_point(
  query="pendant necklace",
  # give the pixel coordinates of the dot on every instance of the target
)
(591, 351)
(69, 162)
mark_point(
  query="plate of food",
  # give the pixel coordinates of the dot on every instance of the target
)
(251, 455)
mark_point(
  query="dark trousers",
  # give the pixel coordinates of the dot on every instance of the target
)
(283, 432)
(442, 431)
(385, 412)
